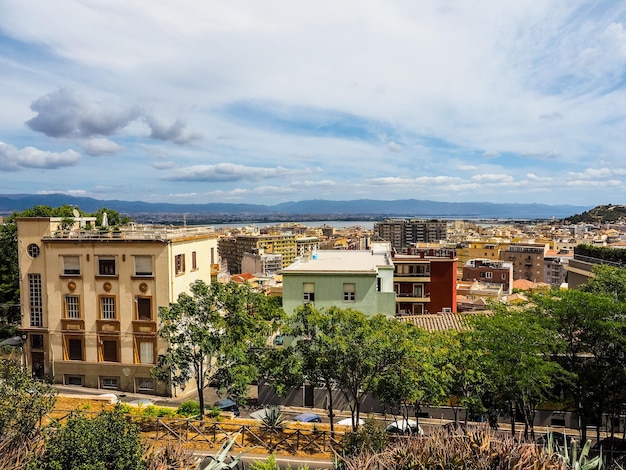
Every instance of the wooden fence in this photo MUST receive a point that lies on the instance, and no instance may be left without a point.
(304, 438)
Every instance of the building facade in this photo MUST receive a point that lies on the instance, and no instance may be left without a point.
(425, 282)
(360, 280)
(232, 249)
(489, 271)
(402, 233)
(527, 260)
(90, 298)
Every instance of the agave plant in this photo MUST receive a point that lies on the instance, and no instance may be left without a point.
(273, 418)
(575, 461)
(218, 461)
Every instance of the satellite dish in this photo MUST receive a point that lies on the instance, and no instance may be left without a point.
(76, 213)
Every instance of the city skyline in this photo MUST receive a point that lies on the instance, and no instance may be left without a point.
(511, 102)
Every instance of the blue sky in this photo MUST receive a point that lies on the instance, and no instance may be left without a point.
(266, 102)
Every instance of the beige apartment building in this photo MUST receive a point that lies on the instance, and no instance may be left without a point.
(90, 298)
(232, 249)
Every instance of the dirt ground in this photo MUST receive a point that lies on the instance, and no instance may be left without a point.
(91, 404)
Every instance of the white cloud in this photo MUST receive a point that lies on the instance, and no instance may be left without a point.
(13, 159)
(101, 146)
(228, 172)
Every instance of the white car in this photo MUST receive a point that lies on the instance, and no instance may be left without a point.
(348, 422)
(405, 426)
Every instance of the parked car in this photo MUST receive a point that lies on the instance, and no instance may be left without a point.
(226, 404)
(308, 418)
(262, 413)
(405, 426)
(348, 422)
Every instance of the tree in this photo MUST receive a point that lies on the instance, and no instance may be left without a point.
(607, 280)
(25, 400)
(516, 357)
(109, 440)
(421, 371)
(215, 336)
(114, 218)
(342, 351)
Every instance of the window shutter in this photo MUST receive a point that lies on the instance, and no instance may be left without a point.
(143, 265)
(146, 352)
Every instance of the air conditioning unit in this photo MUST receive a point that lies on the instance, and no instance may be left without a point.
(446, 310)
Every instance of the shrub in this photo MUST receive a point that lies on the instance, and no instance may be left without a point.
(109, 440)
(369, 437)
(152, 411)
(477, 448)
(189, 408)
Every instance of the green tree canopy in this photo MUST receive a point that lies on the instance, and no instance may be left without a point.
(108, 441)
(516, 349)
(215, 335)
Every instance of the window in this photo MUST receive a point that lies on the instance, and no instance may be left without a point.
(308, 289)
(33, 250)
(379, 284)
(36, 341)
(504, 277)
(74, 380)
(71, 265)
(72, 306)
(109, 382)
(348, 292)
(36, 299)
(143, 265)
(107, 307)
(74, 349)
(489, 275)
(179, 262)
(106, 266)
(144, 308)
(144, 385)
(194, 261)
(109, 350)
(146, 351)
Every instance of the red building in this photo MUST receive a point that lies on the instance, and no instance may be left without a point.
(425, 281)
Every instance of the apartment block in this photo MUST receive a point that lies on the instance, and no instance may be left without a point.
(527, 260)
(231, 249)
(90, 298)
(425, 281)
(489, 271)
(360, 280)
(403, 233)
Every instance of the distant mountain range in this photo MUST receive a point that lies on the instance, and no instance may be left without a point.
(301, 210)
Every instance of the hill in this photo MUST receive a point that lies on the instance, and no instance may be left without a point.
(300, 210)
(607, 214)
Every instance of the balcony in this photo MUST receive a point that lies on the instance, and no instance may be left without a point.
(413, 297)
(143, 326)
(106, 326)
(72, 324)
(412, 278)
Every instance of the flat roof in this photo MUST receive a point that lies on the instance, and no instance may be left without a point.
(341, 261)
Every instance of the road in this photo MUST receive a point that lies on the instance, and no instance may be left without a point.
(283, 461)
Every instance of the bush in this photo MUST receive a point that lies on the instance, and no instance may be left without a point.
(189, 408)
(109, 440)
(370, 437)
(152, 411)
(477, 448)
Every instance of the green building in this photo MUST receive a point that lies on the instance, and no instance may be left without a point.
(357, 279)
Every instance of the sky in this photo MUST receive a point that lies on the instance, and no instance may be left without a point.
(505, 101)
